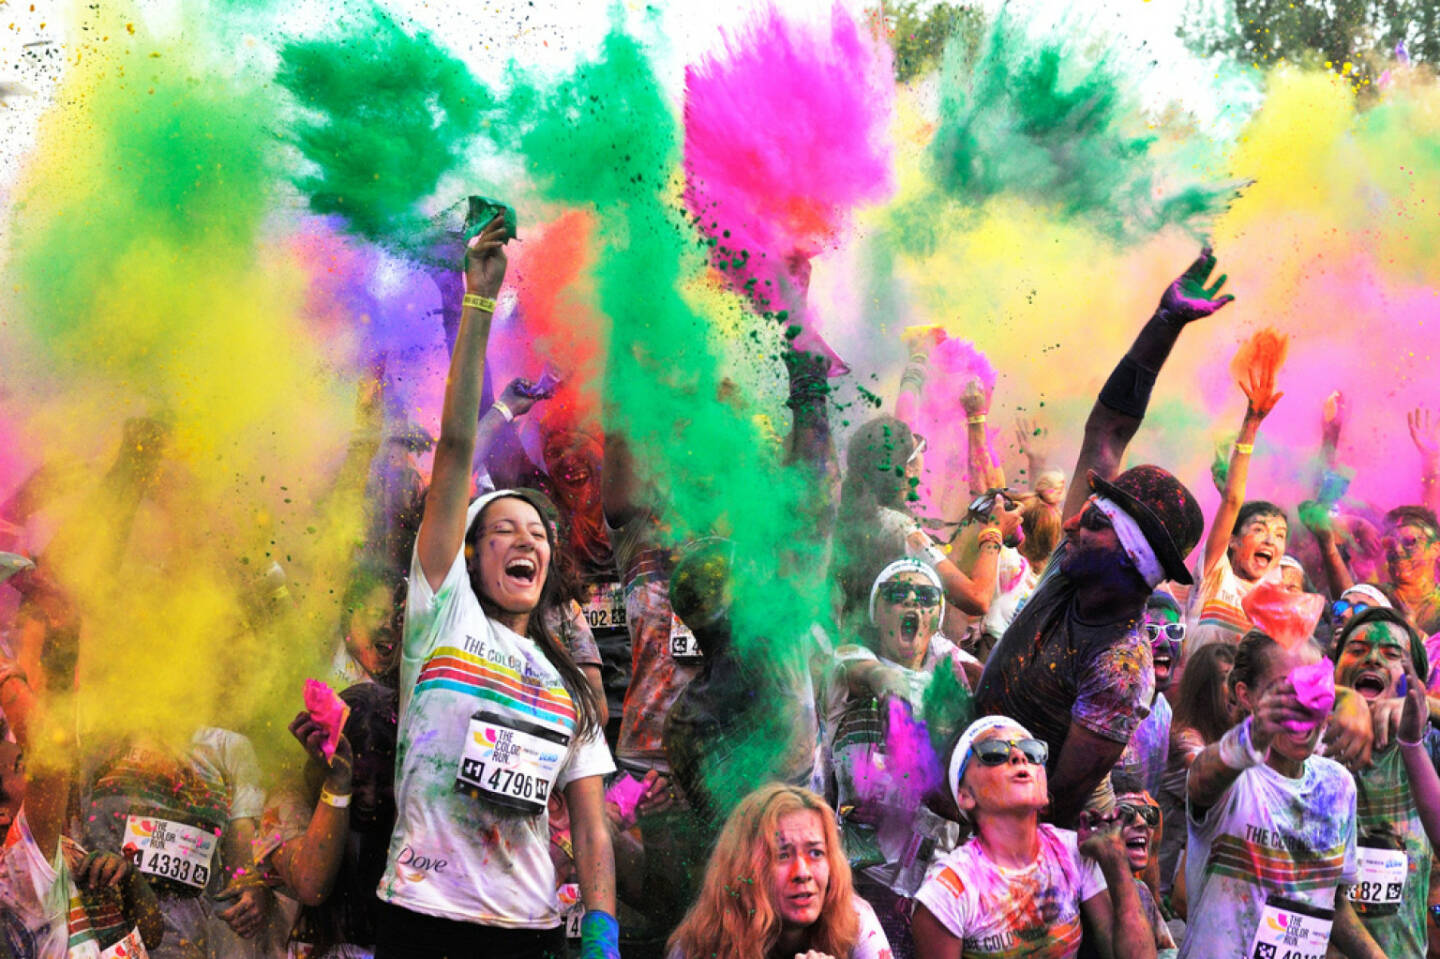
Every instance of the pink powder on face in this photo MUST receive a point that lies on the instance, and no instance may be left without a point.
(1315, 686)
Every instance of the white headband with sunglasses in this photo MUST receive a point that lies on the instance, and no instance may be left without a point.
(905, 566)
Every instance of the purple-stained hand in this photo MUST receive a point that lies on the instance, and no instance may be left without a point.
(1189, 298)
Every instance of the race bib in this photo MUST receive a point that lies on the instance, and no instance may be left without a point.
(131, 947)
(605, 607)
(1291, 930)
(684, 648)
(1382, 878)
(510, 762)
(572, 907)
(170, 850)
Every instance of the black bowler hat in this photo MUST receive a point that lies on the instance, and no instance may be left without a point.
(1163, 508)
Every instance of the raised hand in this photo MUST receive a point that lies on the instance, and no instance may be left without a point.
(1099, 836)
(1424, 432)
(485, 259)
(517, 396)
(1031, 439)
(973, 399)
(1260, 391)
(1189, 298)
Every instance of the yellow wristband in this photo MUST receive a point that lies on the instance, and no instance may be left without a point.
(474, 301)
(973, 420)
(991, 534)
(330, 799)
(1246, 448)
(504, 410)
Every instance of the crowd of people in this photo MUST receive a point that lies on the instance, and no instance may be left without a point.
(1034, 725)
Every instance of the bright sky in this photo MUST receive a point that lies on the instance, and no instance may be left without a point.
(486, 33)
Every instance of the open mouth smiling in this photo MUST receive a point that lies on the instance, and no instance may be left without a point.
(522, 568)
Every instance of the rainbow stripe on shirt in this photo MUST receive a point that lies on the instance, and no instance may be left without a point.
(458, 671)
(1284, 871)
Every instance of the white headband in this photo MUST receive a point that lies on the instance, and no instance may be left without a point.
(1133, 540)
(905, 566)
(1370, 592)
(960, 756)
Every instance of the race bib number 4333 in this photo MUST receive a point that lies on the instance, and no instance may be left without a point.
(170, 850)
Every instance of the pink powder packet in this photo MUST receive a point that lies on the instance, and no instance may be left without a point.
(1315, 688)
(329, 710)
(626, 793)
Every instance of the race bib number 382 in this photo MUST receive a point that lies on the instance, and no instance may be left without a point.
(170, 850)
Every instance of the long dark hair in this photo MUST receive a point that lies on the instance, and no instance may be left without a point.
(1202, 700)
(587, 709)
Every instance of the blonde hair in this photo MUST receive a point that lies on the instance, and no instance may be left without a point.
(735, 915)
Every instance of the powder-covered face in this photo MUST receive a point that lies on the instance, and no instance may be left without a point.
(1016, 785)
(1257, 549)
(1410, 553)
(1095, 554)
(905, 626)
(371, 639)
(1139, 837)
(1163, 651)
(1372, 661)
(514, 554)
(1292, 579)
(573, 461)
(12, 782)
(802, 869)
(1295, 745)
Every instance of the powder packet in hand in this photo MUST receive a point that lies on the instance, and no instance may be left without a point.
(329, 710)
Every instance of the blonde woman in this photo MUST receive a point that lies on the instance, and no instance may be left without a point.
(778, 886)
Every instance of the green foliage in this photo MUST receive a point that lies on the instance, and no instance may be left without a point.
(1336, 32)
(919, 37)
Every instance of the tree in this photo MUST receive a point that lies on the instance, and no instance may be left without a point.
(1337, 32)
(918, 33)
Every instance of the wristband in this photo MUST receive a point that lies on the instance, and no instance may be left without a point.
(504, 410)
(1236, 748)
(599, 935)
(330, 799)
(991, 534)
(1246, 448)
(1418, 742)
(476, 302)
(976, 419)
(1128, 389)
(932, 555)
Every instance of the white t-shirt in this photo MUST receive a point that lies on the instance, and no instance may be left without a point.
(1269, 835)
(999, 913)
(1214, 611)
(452, 855)
(1015, 580)
(34, 895)
(872, 943)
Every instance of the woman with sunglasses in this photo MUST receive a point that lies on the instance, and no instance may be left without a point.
(872, 682)
(1139, 817)
(1019, 883)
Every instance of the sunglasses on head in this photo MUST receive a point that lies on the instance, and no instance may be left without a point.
(898, 591)
(1150, 814)
(1174, 632)
(1343, 606)
(996, 752)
